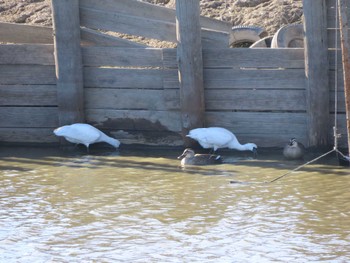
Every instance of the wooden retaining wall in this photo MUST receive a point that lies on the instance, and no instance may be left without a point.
(132, 91)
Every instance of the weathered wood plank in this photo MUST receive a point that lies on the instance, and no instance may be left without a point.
(244, 58)
(94, 37)
(149, 11)
(244, 79)
(340, 80)
(333, 59)
(344, 22)
(28, 95)
(340, 103)
(256, 100)
(139, 120)
(316, 68)
(131, 99)
(19, 33)
(28, 117)
(145, 27)
(27, 75)
(26, 54)
(123, 57)
(254, 79)
(123, 78)
(68, 60)
(266, 129)
(27, 135)
(96, 19)
(29, 34)
(190, 62)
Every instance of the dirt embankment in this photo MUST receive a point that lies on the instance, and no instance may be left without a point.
(270, 14)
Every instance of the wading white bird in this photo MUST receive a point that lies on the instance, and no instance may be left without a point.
(85, 134)
(188, 157)
(294, 150)
(217, 137)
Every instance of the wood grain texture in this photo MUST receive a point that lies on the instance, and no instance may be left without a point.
(27, 75)
(68, 60)
(149, 11)
(28, 117)
(28, 95)
(27, 135)
(19, 33)
(190, 66)
(123, 78)
(37, 54)
(316, 68)
(122, 57)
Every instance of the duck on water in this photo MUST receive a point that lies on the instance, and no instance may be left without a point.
(188, 157)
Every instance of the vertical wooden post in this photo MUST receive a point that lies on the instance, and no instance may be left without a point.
(68, 59)
(344, 9)
(317, 70)
(190, 62)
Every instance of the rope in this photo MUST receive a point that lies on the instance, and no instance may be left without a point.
(335, 128)
(287, 173)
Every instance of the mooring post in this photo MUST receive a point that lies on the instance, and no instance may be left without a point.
(190, 64)
(344, 20)
(316, 70)
(68, 60)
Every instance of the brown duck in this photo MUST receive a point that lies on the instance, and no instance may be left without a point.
(294, 150)
(188, 157)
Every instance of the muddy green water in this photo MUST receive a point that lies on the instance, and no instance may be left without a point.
(139, 206)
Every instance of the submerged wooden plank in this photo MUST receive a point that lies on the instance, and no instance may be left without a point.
(123, 78)
(122, 57)
(28, 95)
(19, 33)
(27, 75)
(27, 135)
(29, 117)
(38, 54)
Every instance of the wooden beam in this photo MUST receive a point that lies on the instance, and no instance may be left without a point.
(150, 11)
(69, 70)
(189, 56)
(316, 69)
(19, 33)
(345, 46)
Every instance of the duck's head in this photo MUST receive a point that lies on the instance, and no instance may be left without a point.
(293, 142)
(187, 153)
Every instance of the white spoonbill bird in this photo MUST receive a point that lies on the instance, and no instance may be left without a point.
(85, 134)
(217, 137)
